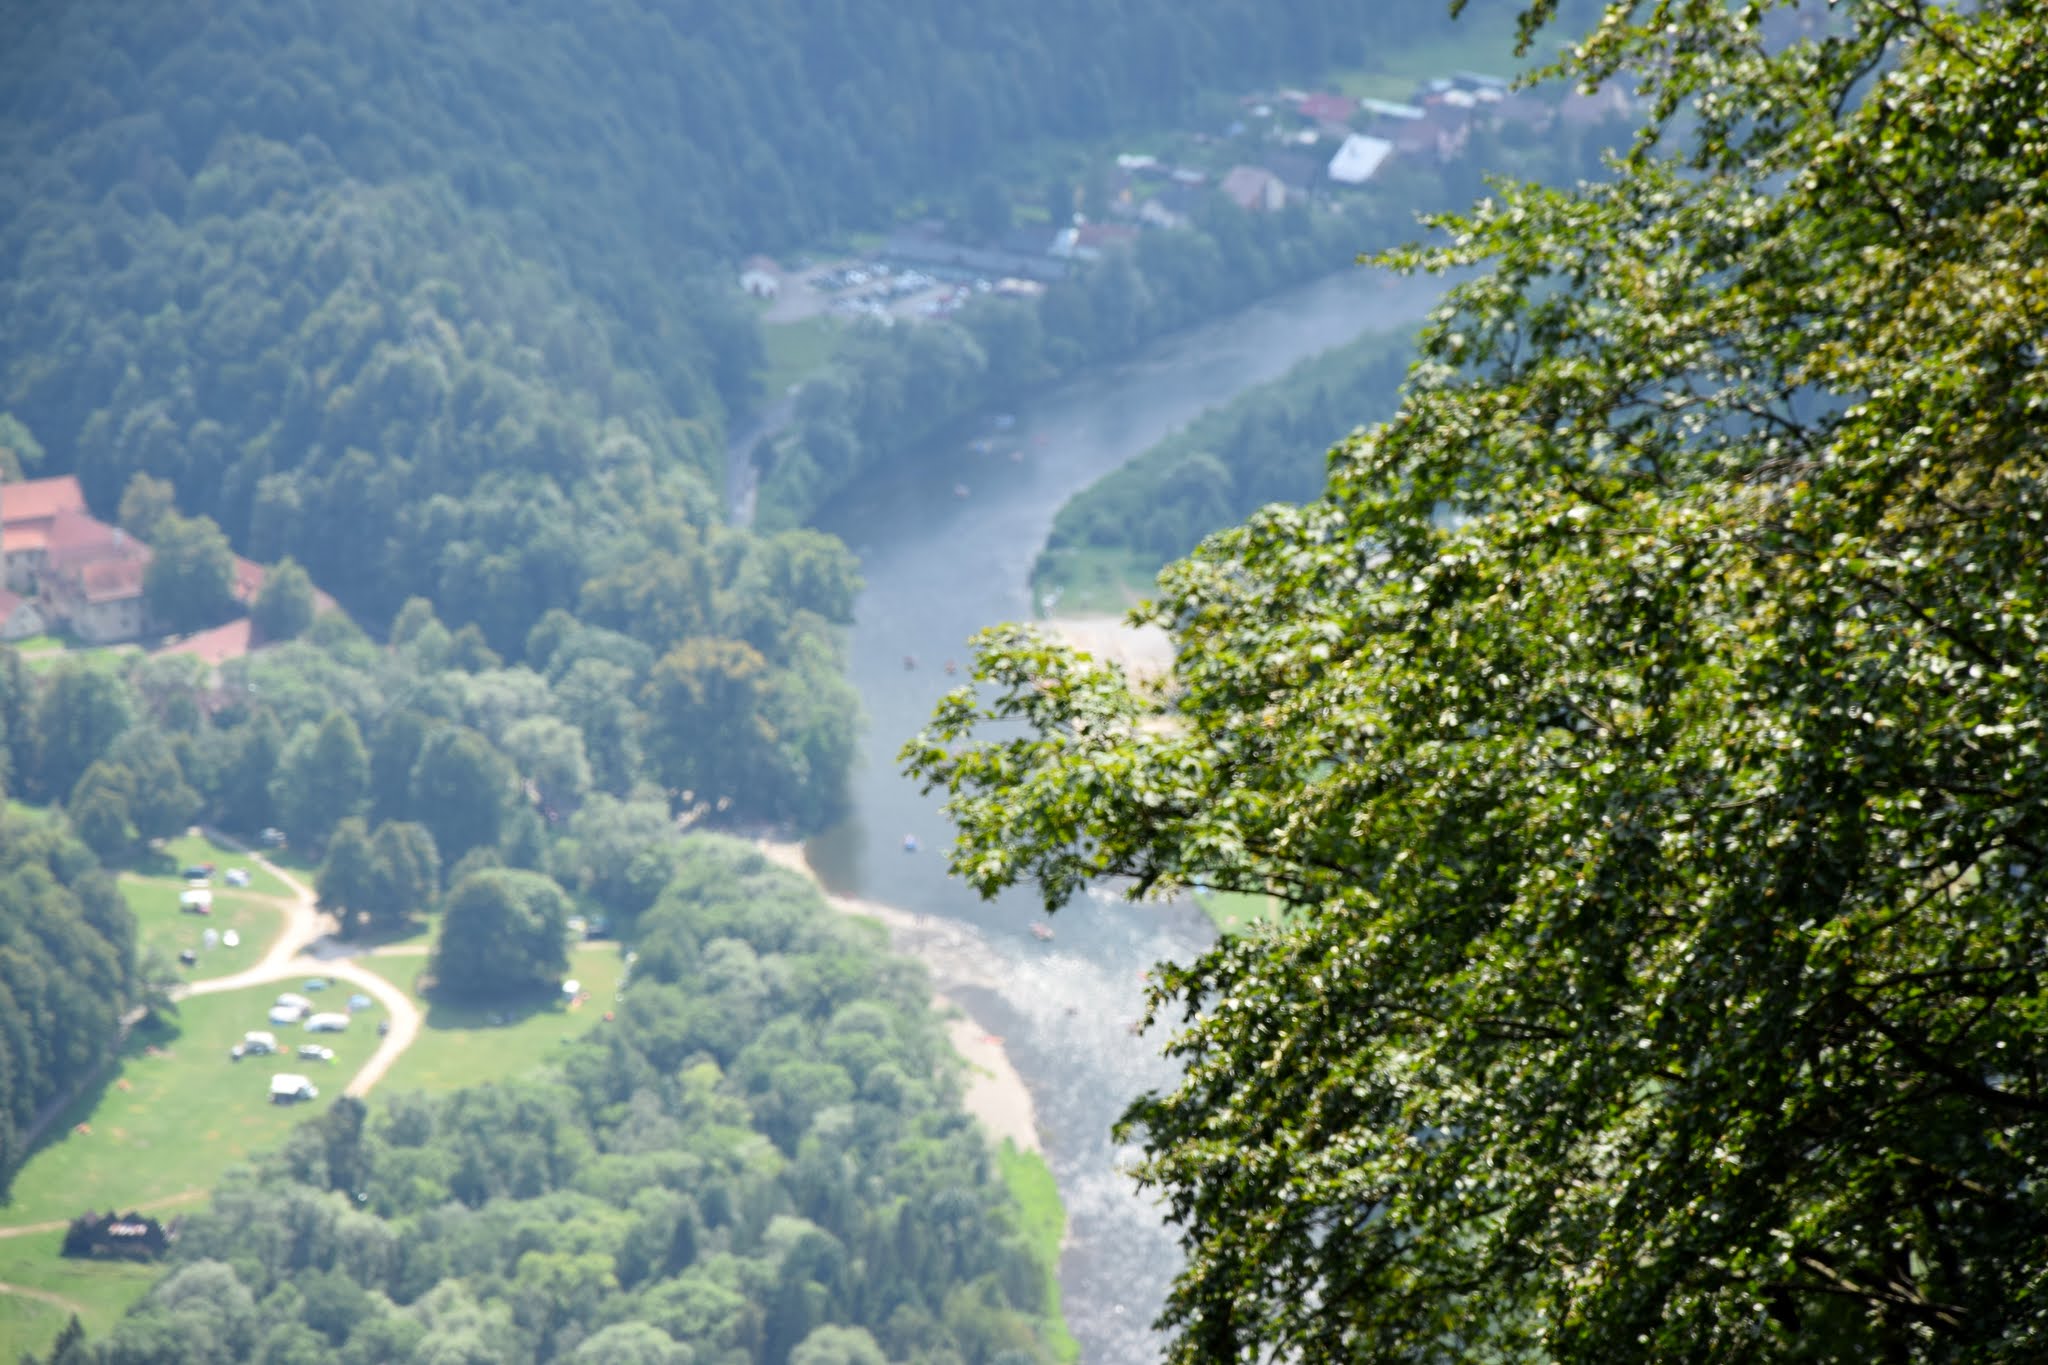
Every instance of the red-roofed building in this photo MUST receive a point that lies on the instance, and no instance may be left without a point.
(27, 510)
(91, 579)
(248, 580)
(1328, 110)
(1255, 189)
(215, 647)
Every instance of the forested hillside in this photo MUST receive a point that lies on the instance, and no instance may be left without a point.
(436, 296)
(67, 973)
(437, 299)
(762, 1161)
(1270, 445)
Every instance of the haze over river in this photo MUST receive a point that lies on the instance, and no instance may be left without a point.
(938, 568)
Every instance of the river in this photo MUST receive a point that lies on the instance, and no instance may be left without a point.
(938, 567)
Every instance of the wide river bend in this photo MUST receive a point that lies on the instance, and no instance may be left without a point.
(940, 566)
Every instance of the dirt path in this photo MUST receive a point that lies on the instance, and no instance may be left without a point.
(288, 957)
(170, 1201)
(71, 1306)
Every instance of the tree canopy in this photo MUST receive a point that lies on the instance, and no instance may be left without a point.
(67, 971)
(760, 1160)
(1642, 736)
(504, 934)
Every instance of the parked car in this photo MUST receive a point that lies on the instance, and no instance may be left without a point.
(317, 983)
(272, 837)
(236, 876)
(189, 956)
(313, 1052)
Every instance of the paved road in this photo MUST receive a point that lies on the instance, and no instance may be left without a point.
(290, 957)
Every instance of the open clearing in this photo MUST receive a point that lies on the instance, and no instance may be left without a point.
(461, 1045)
(175, 1111)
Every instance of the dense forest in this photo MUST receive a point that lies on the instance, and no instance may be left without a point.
(438, 299)
(761, 1162)
(67, 973)
(1268, 445)
(436, 296)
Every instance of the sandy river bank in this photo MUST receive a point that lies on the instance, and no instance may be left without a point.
(995, 1095)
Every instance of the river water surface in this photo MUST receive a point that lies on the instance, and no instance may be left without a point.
(938, 567)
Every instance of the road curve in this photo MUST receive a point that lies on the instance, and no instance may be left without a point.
(290, 956)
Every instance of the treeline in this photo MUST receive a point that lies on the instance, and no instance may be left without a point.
(761, 1161)
(67, 973)
(1269, 445)
(438, 297)
(892, 390)
(432, 751)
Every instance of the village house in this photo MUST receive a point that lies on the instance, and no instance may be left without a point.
(1441, 131)
(1359, 159)
(1331, 114)
(1299, 171)
(1172, 208)
(1254, 189)
(26, 512)
(91, 580)
(1088, 241)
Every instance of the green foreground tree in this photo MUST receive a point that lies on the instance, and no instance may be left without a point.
(1643, 736)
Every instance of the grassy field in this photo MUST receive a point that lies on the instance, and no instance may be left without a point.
(796, 351)
(462, 1046)
(162, 926)
(152, 894)
(1031, 1184)
(44, 652)
(192, 849)
(98, 1291)
(176, 1111)
(158, 1131)
(22, 810)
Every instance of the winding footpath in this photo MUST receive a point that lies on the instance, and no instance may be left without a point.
(291, 955)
